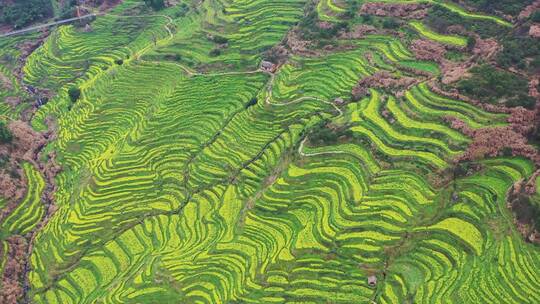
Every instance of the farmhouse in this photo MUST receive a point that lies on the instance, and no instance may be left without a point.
(339, 101)
(372, 280)
(268, 66)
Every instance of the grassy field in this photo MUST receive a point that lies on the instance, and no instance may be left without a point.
(189, 176)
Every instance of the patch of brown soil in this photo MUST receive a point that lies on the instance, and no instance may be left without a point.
(382, 79)
(5, 82)
(534, 30)
(26, 142)
(485, 48)
(13, 101)
(5, 28)
(297, 45)
(424, 49)
(359, 31)
(492, 141)
(400, 10)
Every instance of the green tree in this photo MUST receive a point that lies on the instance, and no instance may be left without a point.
(23, 12)
(155, 4)
(493, 85)
(74, 94)
(5, 134)
(390, 23)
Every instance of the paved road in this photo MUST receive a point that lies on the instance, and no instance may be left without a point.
(37, 27)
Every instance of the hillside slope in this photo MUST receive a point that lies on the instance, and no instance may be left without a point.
(283, 151)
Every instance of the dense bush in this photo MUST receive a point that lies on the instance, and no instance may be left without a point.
(215, 52)
(155, 4)
(74, 94)
(535, 17)
(489, 84)
(23, 12)
(253, 101)
(68, 10)
(324, 134)
(5, 134)
(527, 210)
(510, 7)
(219, 39)
(520, 52)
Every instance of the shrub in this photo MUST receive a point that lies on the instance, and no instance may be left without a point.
(253, 101)
(492, 85)
(521, 99)
(219, 39)
(471, 42)
(324, 134)
(517, 52)
(74, 94)
(535, 17)
(5, 134)
(215, 52)
(390, 23)
(155, 4)
(22, 13)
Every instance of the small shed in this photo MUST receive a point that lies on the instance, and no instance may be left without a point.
(372, 280)
(268, 66)
(339, 101)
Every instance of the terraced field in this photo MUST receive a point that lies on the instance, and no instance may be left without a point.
(446, 39)
(27, 215)
(190, 177)
(10, 89)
